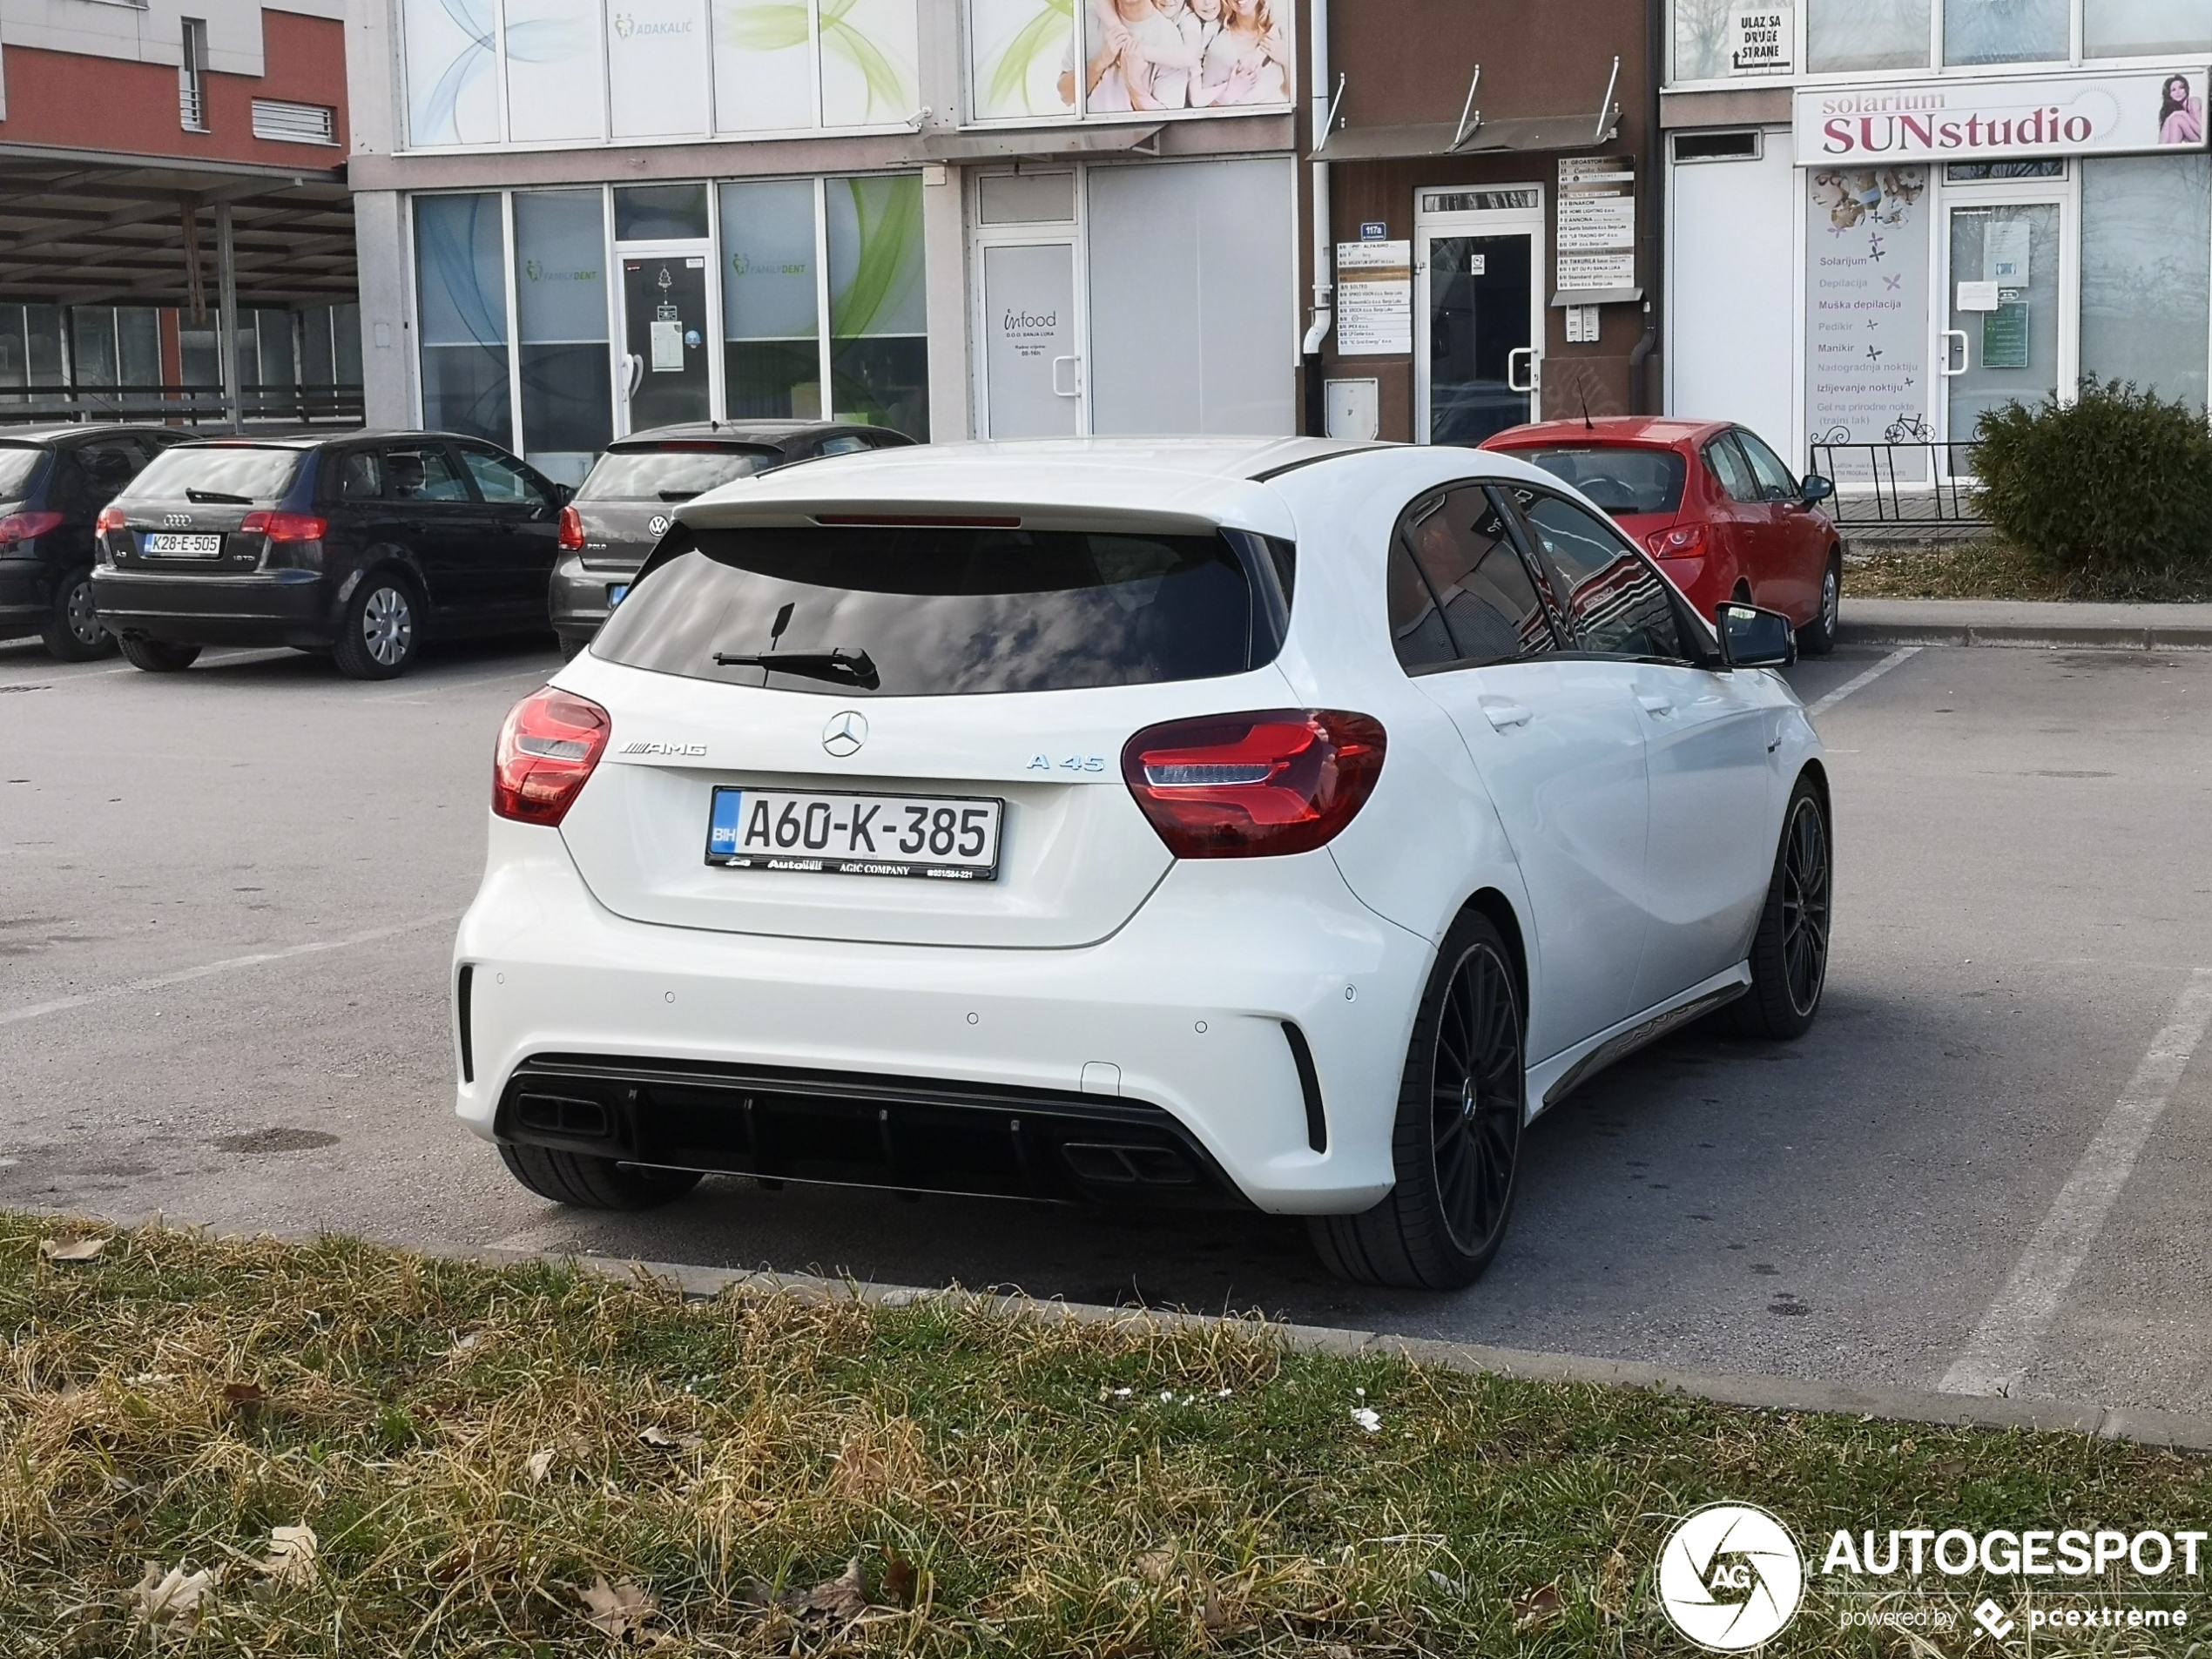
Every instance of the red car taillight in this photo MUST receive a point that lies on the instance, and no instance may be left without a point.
(1683, 542)
(110, 518)
(547, 749)
(571, 538)
(22, 527)
(1253, 785)
(285, 527)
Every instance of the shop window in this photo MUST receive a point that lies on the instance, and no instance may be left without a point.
(1977, 172)
(1702, 39)
(91, 345)
(460, 305)
(879, 330)
(658, 69)
(2143, 28)
(557, 89)
(771, 332)
(1026, 197)
(777, 62)
(661, 213)
(1848, 36)
(561, 317)
(2147, 273)
(452, 97)
(2005, 31)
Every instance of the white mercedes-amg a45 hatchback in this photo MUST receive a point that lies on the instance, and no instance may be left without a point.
(1266, 823)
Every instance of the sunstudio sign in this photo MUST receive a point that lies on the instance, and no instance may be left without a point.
(1979, 120)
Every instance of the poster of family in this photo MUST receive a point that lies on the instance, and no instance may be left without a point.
(1045, 57)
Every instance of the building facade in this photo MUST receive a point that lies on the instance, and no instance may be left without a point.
(993, 218)
(1887, 217)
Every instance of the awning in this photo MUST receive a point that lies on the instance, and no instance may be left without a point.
(1035, 143)
(1434, 138)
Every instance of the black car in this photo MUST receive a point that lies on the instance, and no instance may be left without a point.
(362, 544)
(628, 499)
(53, 483)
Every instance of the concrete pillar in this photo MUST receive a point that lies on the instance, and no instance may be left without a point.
(389, 367)
(944, 251)
(226, 279)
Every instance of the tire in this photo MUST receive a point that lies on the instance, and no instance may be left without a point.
(572, 645)
(1817, 637)
(382, 629)
(158, 656)
(586, 1182)
(73, 633)
(1789, 951)
(1456, 1145)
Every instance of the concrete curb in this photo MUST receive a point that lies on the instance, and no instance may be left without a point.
(2046, 635)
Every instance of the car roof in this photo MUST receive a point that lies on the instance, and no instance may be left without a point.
(39, 435)
(772, 433)
(1609, 428)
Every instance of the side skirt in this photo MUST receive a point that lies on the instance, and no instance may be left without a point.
(1559, 1076)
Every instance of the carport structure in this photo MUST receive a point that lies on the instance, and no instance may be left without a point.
(202, 240)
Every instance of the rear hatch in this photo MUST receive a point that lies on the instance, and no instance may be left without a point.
(185, 511)
(934, 683)
(1640, 485)
(631, 497)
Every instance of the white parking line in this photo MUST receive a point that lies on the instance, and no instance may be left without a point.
(2005, 1343)
(1861, 682)
(132, 988)
(69, 676)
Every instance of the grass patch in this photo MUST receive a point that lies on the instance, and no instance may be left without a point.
(1992, 568)
(521, 1461)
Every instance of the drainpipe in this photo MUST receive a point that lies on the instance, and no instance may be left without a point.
(1643, 399)
(1320, 318)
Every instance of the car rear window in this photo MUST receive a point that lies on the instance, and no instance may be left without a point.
(1619, 478)
(669, 474)
(242, 472)
(18, 467)
(956, 611)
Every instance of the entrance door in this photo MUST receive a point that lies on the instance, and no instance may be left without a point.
(1479, 316)
(665, 338)
(2003, 339)
(1032, 365)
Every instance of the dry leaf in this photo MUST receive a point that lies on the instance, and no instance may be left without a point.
(899, 1578)
(1540, 1606)
(538, 1465)
(78, 1250)
(291, 1560)
(844, 1597)
(661, 1440)
(1214, 1616)
(1155, 1566)
(620, 1609)
(244, 1394)
(174, 1600)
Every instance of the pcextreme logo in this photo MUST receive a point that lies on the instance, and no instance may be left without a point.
(1730, 1577)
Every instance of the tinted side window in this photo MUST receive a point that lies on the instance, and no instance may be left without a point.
(1729, 467)
(109, 463)
(1775, 482)
(1466, 569)
(1618, 603)
(423, 473)
(500, 481)
(844, 444)
(360, 477)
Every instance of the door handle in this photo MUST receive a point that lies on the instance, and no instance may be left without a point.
(1958, 334)
(1072, 389)
(1654, 704)
(1526, 355)
(636, 365)
(1502, 713)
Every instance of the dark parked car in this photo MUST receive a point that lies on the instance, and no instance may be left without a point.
(53, 483)
(627, 502)
(361, 545)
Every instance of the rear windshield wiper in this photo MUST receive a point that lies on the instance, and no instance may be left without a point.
(846, 667)
(220, 497)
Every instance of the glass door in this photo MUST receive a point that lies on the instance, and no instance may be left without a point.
(2008, 292)
(665, 335)
(1032, 363)
(1479, 316)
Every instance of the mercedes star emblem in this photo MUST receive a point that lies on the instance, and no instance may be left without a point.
(845, 733)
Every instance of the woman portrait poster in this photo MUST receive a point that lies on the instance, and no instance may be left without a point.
(1181, 54)
(2180, 116)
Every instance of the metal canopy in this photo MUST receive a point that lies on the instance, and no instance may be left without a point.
(81, 228)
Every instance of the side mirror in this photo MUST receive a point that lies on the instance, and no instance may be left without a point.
(1752, 636)
(1818, 488)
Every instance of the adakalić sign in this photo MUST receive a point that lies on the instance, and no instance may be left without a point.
(1964, 120)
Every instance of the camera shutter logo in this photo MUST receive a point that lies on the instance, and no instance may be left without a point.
(1730, 1577)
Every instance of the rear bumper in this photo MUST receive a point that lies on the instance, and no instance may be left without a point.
(26, 589)
(579, 596)
(1172, 1030)
(254, 608)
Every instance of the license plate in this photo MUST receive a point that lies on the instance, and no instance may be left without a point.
(617, 593)
(839, 834)
(189, 547)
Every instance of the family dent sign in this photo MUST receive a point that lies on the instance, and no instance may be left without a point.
(1990, 120)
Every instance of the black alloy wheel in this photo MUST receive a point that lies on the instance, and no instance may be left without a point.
(1456, 1146)
(1817, 637)
(158, 656)
(1789, 951)
(72, 632)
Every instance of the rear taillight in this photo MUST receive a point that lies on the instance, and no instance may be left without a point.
(571, 530)
(1253, 785)
(22, 527)
(110, 518)
(1683, 542)
(285, 527)
(547, 749)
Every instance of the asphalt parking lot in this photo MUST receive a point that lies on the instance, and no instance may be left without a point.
(226, 899)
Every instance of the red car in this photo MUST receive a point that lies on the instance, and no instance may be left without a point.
(1712, 503)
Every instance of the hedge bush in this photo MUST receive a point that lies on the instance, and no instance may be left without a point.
(2113, 491)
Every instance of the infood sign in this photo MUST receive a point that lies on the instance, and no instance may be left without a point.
(1996, 120)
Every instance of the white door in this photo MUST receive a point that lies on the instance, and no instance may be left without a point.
(2010, 292)
(1032, 362)
(668, 340)
(1477, 312)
